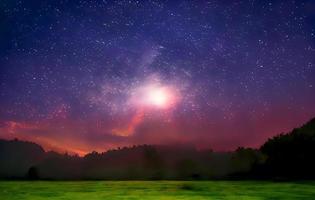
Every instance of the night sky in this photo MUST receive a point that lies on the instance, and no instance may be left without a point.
(79, 76)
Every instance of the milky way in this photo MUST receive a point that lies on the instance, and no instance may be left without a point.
(79, 76)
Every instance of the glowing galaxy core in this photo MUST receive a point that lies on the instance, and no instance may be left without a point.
(153, 94)
(145, 99)
(159, 96)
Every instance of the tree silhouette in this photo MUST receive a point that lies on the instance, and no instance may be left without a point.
(33, 173)
(292, 155)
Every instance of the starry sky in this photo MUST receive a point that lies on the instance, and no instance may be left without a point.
(79, 76)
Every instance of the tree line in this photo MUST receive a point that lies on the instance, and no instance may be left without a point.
(283, 157)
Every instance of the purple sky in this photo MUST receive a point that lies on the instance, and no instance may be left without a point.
(93, 75)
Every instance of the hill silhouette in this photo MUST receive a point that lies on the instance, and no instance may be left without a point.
(17, 156)
(285, 156)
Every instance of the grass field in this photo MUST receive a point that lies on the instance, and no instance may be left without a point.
(90, 190)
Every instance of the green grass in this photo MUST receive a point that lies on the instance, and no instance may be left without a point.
(190, 190)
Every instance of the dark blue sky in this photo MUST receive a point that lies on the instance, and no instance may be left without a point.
(241, 71)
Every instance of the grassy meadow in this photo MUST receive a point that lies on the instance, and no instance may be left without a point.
(167, 190)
